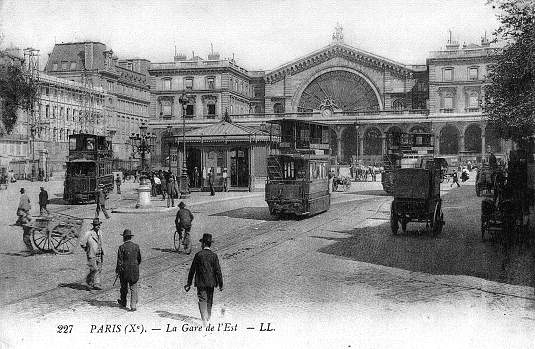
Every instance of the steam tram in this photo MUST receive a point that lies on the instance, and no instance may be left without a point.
(298, 169)
(89, 164)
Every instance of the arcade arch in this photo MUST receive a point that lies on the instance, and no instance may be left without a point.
(449, 140)
(472, 139)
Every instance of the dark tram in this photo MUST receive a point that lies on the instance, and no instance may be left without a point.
(89, 164)
(404, 150)
(298, 169)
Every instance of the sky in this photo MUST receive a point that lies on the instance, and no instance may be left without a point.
(261, 34)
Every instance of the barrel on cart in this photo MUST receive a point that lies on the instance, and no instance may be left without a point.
(56, 232)
(417, 198)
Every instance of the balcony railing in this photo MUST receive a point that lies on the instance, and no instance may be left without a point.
(472, 110)
(336, 114)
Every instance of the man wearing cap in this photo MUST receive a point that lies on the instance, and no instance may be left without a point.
(101, 202)
(91, 242)
(183, 219)
(205, 267)
(43, 201)
(128, 261)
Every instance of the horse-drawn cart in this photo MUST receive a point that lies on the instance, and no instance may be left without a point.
(56, 232)
(417, 198)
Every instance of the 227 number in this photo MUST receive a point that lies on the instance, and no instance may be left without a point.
(64, 329)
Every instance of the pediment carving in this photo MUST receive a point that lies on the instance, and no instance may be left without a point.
(338, 50)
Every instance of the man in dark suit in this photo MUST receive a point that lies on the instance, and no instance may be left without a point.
(205, 267)
(128, 261)
(43, 201)
(211, 181)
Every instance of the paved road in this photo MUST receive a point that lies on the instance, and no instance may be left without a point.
(294, 274)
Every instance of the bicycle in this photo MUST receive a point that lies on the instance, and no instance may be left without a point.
(185, 241)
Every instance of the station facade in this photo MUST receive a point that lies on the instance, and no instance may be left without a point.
(360, 95)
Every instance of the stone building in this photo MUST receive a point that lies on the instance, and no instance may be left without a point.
(362, 96)
(125, 81)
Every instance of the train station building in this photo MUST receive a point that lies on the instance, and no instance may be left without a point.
(361, 95)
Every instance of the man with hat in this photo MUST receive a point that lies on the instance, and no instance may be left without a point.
(24, 207)
(205, 267)
(183, 219)
(43, 201)
(91, 242)
(100, 198)
(128, 261)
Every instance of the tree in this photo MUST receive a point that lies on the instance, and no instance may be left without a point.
(510, 95)
(16, 93)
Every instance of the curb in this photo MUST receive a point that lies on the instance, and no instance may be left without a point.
(156, 209)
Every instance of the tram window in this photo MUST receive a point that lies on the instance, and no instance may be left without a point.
(90, 143)
(289, 170)
(72, 143)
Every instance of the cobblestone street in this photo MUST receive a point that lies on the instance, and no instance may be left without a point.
(338, 279)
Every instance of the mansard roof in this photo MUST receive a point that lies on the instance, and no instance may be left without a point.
(338, 50)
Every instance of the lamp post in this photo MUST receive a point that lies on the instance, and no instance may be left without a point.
(142, 143)
(170, 136)
(184, 180)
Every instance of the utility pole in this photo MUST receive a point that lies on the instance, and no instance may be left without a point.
(31, 62)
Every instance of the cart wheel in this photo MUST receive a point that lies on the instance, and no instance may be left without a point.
(176, 241)
(187, 243)
(438, 219)
(63, 239)
(41, 239)
(347, 185)
(393, 220)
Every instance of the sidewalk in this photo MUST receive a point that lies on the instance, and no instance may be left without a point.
(195, 198)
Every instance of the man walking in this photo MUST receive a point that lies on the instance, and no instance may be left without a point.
(211, 180)
(205, 267)
(101, 202)
(118, 183)
(183, 219)
(172, 191)
(91, 242)
(43, 201)
(23, 210)
(128, 261)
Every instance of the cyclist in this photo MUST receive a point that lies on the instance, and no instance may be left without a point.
(183, 219)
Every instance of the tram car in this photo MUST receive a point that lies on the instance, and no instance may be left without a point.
(89, 164)
(298, 169)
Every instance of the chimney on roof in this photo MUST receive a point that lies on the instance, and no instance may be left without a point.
(484, 41)
(213, 56)
(180, 57)
(452, 45)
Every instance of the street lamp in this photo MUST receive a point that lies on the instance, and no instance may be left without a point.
(184, 180)
(142, 143)
(169, 135)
